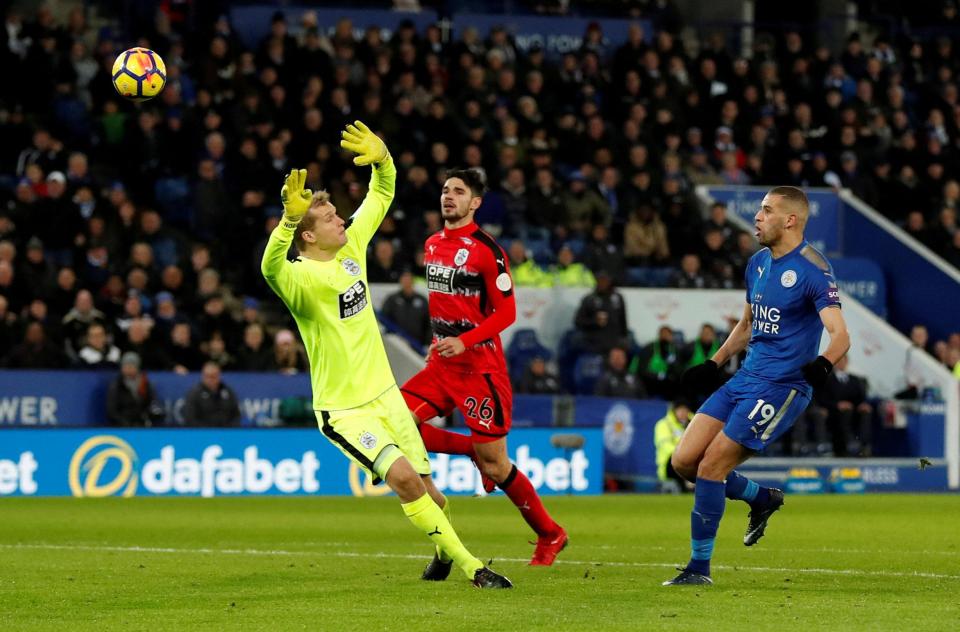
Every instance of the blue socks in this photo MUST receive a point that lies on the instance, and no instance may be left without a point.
(708, 505)
(742, 488)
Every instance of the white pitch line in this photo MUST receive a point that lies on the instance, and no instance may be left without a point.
(407, 556)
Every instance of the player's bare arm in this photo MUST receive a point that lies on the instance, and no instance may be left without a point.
(836, 326)
(738, 338)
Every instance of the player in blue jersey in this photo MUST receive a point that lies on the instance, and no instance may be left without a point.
(791, 297)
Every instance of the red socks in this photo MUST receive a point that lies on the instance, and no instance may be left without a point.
(439, 440)
(517, 486)
(518, 489)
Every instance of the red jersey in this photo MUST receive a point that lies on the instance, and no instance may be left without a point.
(471, 296)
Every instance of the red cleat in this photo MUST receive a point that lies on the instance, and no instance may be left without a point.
(548, 547)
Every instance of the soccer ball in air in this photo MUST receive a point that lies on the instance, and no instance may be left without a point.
(139, 74)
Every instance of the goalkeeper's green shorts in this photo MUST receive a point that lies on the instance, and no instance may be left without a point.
(376, 434)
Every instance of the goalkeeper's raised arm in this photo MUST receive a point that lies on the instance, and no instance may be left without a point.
(370, 150)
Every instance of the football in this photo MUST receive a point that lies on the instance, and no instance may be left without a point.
(139, 74)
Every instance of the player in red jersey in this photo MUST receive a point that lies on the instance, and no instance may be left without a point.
(471, 302)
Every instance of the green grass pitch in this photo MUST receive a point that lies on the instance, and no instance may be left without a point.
(876, 562)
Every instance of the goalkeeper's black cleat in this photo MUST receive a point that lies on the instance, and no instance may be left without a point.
(760, 515)
(436, 571)
(689, 578)
(486, 578)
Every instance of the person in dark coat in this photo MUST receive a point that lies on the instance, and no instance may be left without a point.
(211, 402)
(131, 398)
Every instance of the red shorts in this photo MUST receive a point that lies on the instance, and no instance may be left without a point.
(485, 399)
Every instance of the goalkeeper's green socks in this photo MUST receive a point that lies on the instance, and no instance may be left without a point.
(446, 512)
(430, 519)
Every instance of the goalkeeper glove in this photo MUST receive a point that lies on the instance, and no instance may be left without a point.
(370, 149)
(296, 200)
(700, 378)
(816, 372)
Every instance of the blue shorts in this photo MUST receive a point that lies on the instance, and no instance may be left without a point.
(756, 413)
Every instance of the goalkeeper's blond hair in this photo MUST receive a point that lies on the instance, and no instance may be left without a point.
(320, 198)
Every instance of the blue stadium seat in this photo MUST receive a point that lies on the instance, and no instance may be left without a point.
(586, 372)
(174, 201)
(540, 251)
(524, 346)
(568, 350)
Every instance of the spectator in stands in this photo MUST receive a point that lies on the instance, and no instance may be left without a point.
(659, 364)
(523, 269)
(383, 266)
(131, 398)
(616, 381)
(538, 379)
(183, 351)
(78, 320)
(140, 341)
(98, 352)
(601, 319)
(211, 402)
(912, 371)
(215, 350)
(288, 357)
(645, 238)
(689, 275)
(11, 288)
(703, 347)
(254, 354)
(601, 254)
(584, 206)
(35, 352)
(666, 436)
(9, 328)
(570, 273)
(843, 402)
(407, 309)
(36, 271)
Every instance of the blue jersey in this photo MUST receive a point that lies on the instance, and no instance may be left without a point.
(785, 297)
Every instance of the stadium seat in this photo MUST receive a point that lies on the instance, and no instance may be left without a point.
(586, 372)
(568, 350)
(524, 346)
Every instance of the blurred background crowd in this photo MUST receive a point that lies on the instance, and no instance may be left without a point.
(139, 229)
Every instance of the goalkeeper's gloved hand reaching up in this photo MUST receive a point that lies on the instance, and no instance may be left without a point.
(370, 149)
(296, 200)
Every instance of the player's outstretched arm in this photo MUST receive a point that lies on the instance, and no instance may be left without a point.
(816, 372)
(370, 150)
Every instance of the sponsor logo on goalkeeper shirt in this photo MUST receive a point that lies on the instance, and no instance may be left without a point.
(353, 300)
(440, 278)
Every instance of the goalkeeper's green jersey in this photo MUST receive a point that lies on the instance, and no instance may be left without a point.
(330, 300)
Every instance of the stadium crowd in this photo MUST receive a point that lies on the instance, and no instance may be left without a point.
(140, 228)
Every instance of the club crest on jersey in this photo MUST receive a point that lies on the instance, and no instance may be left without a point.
(461, 257)
(368, 440)
(788, 278)
(351, 266)
(440, 278)
(353, 300)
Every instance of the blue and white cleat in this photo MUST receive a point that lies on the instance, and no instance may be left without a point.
(759, 517)
(689, 578)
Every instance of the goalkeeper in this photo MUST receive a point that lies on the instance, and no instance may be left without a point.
(355, 396)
